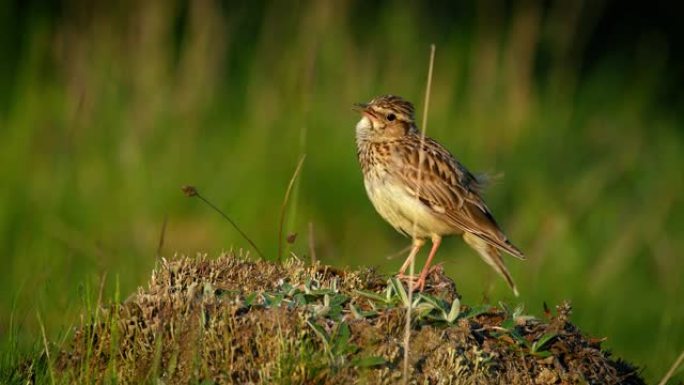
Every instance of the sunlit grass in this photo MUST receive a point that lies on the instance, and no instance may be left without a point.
(229, 319)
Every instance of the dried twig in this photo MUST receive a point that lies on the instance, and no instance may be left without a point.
(162, 235)
(191, 191)
(312, 244)
(674, 367)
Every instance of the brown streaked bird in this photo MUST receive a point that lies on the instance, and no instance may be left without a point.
(439, 199)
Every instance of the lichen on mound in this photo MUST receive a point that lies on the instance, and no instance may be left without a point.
(232, 320)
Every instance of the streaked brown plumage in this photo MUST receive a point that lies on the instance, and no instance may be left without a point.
(442, 198)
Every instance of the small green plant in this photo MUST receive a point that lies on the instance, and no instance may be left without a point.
(297, 323)
(423, 306)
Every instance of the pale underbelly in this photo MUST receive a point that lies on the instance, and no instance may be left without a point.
(404, 212)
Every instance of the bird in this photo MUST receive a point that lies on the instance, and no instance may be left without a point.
(422, 190)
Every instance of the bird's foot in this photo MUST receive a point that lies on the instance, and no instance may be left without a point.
(419, 284)
(416, 281)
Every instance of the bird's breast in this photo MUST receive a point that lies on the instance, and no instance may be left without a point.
(400, 209)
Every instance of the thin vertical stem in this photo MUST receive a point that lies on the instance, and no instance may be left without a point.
(47, 350)
(674, 367)
(283, 207)
(421, 157)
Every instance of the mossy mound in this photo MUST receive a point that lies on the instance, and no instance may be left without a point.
(231, 320)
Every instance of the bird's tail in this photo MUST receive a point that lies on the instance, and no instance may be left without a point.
(492, 256)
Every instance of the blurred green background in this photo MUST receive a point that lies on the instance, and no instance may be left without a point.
(107, 109)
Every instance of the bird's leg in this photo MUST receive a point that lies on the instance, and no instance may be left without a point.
(417, 244)
(420, 283)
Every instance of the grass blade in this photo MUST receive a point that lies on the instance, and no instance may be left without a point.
(283, 206)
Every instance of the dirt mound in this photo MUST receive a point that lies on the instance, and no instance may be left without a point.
(231, 320)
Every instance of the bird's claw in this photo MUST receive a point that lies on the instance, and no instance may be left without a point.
(417, 282)
(419, 285)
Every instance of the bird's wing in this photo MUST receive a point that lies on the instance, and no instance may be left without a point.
(450, 190)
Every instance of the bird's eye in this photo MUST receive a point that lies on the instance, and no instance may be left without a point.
(391, 117)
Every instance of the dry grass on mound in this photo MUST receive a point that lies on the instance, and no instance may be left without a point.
(231, 320)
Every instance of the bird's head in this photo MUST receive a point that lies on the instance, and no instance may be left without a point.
(385, 117)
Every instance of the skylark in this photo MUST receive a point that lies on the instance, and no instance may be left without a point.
(423, 191)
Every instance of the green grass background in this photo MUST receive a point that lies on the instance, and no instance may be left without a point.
(106, 110)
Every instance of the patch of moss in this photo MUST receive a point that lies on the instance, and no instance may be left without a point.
(232, 320)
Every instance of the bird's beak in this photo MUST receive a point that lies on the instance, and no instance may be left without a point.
(363, 108)
(360, 107)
